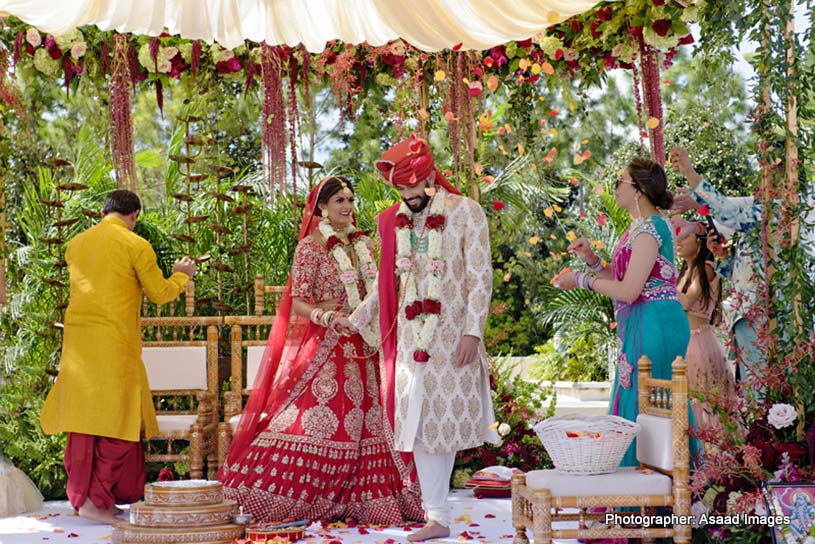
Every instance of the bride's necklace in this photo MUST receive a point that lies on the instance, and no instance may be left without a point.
(423, 315)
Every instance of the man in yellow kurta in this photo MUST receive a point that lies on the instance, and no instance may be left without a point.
(101, 397)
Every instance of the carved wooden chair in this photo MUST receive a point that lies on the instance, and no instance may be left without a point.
(661, 480)
(248, 336)
(180, 354)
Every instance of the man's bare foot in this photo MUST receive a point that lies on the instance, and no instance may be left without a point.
(91, 512)
(433, 529)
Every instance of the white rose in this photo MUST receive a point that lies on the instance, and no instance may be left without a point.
(781, 415)
(169, 52)
(165, 66)
(398, 48)
(503, 429)
(78, 50)
(32, 36)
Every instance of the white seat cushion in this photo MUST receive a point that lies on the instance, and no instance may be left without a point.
(233, 421)
(176, 367)
(655, 442)
(175, 423)
(625, 481)
(254, 355)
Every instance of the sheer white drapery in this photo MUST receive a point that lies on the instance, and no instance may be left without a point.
(430, 25)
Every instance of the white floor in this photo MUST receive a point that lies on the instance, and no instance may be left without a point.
(478, 520)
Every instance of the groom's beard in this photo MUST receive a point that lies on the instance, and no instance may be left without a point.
(417, 205)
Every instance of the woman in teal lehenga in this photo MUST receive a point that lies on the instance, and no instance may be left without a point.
(641, 279)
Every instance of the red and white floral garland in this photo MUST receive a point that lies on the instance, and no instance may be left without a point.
(423, 315)
(349, 275)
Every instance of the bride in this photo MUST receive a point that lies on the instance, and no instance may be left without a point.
(312, 442)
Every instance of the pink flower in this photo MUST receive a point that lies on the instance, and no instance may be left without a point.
(368, 270)
(32, 36)
(349, 277)
(404, 262)
(434, 266)
(78, 50)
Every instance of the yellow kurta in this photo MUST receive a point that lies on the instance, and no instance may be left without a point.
(102, 385)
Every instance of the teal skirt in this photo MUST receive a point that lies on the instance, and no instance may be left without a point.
(658, 329)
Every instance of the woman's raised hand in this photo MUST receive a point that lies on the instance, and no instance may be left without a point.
(583, 250)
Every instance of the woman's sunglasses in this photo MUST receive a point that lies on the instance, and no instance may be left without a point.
(621, 180)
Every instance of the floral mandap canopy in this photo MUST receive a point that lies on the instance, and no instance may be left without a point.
(430, 25)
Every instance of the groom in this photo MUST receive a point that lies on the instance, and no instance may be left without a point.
(433, 296)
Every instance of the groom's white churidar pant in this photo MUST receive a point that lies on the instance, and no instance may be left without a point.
(434, 471)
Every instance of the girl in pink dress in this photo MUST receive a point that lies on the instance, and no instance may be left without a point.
(701, 296)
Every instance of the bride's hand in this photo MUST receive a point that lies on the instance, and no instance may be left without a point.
(343, 326)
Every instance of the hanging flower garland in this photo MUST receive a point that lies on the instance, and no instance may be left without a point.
(422, 314)
(349, 275)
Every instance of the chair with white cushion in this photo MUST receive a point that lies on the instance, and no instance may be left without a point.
(249, 334)
(540, 496)
(180, 355)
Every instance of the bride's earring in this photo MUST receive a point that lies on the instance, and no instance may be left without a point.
(324, 214)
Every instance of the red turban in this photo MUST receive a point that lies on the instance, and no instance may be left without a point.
(410, 162)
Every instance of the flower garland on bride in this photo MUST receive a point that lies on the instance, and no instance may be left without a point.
(422, 314)
(349, 275)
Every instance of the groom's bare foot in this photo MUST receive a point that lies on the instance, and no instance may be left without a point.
(91, 512)
(433, 529)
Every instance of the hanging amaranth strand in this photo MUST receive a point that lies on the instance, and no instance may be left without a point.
(121, 121)
(649, 65)
(274, 121)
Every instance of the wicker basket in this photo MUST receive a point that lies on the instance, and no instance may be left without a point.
(586, 445)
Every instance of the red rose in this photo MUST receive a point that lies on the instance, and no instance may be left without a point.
(559, 54)
(354, 236)
(413, 310)
(332, 241)
(593, 29)
(165, 475)
(435, 222)
(662, 26)
(605, 13)
(497, 205)
(577, 26)
(421, 356)
(686, 40)
(403, 221)
(430, 306)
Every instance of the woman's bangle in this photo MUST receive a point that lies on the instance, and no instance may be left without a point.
(598, 264)
(327, 318)
(583, 280)
(316, 315)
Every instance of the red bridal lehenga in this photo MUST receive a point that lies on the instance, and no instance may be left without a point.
(312, 442)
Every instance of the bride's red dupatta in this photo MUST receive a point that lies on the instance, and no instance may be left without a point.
(289, 350)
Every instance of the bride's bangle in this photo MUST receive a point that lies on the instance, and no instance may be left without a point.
(316, 315)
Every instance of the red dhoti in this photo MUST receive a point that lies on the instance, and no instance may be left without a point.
(107, 471)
